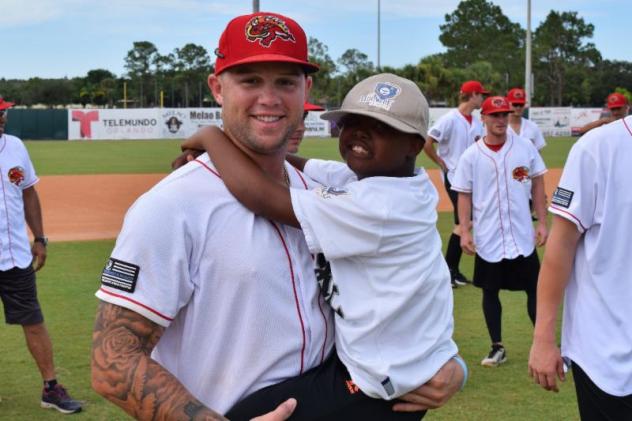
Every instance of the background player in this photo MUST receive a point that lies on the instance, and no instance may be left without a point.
(617, 104)
(489, 178)
(371, 259)
(455, 132)
(587, 261)
(18, 290)
(518, 124)
(297, 137)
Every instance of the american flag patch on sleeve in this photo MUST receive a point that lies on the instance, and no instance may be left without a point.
(120, 275)
(562, 197)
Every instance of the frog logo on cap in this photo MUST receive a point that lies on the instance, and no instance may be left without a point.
(266, 29)
(382, 96)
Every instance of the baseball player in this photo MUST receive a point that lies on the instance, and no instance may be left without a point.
(587, 261)
(455, 132)
(373, 229)
(617, 104)
(489, 179)
(203, 302)
(297, 137)
(19, 260)
(520, 125)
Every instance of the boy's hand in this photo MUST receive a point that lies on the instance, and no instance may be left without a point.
(282, 412)
(467, 242)
(541, 234)
(187, 155)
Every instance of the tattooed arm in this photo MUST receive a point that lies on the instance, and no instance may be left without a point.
(124, 373)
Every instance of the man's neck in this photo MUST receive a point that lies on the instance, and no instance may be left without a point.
(466, 108)
(492, 139)
(515, 119)
(272, 164)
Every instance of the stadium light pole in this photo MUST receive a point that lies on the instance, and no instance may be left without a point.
(255, 6)
(527, 71)
(378, 34)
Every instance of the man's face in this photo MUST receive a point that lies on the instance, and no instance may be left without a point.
(297, 136)
(3, 120)
(619, 112)
(262, 103)
(517, 109)
(477, 100)
(496, 124)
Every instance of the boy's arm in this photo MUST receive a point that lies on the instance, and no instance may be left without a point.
(539, 205)
(255, 189)
(429, 149)
(464, 209)
(297, 162)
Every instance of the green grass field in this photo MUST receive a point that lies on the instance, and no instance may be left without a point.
(68, 282)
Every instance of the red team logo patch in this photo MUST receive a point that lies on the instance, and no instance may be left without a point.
(16, 175)
(521, 174)
(266, 29)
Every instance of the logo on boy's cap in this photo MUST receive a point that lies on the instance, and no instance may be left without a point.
(266, 29)
(382, 96)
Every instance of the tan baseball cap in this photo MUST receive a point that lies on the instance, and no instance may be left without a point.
(388, 98)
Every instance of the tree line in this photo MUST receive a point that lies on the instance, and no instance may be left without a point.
(481, 43)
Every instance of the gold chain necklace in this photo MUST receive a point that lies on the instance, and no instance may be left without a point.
(286, 176)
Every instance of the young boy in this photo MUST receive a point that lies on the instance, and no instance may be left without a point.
(490, 178)
(372, 229)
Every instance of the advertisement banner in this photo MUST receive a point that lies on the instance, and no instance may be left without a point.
(553, 121)
(582, 116)
(158, 123)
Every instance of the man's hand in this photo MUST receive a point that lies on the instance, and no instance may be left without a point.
(541, 234)
(281, 413)
(442, 164)
(436, 392)
(187, 155)
(39, 255)
(467, 242)
(545, 364)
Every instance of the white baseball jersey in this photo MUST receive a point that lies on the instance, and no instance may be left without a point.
(380, 266)
(236, 293)
(594, 193)
(501, 216)
(17, 174)
(454, 135)
(531, 131)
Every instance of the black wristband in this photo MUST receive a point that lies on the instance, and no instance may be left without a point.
(43, 240)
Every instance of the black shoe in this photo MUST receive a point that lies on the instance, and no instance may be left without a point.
(461, 279)
(59, 399)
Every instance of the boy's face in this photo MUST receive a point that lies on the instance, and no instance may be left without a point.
(496, 123)
(372, 148)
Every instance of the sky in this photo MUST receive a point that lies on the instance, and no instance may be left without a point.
(67, 38)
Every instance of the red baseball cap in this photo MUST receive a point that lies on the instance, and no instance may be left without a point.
(494, 105)
(616, 100)
(308, 106)
(262, 37)
(473, 87)
(516, 96)
(4, 105)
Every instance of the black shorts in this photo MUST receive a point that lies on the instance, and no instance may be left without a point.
(453, 195)
(19, 297)
(595, 404)
(323, 393)
(519, 274)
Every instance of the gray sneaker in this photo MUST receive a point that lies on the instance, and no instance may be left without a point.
(496, 356)
(59, 399)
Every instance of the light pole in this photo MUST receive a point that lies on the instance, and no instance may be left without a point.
(527, 71)
(255, 6)
(378, 35)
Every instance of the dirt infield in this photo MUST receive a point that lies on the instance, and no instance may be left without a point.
(92, 207)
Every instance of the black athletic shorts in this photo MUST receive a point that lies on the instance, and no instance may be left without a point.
(519, 274)
(323, 393)
(595, 404)
(453, 195)
(19, 297)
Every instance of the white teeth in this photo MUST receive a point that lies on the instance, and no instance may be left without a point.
(359, 150)
(268, 118)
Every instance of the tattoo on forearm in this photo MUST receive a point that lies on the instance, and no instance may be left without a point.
(124, 373)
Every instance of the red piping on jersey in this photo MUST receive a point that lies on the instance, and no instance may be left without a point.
(508, 199)
(4, 142)
(298, 308)
(6, 211)
(626, 126)
(500, 215)
(301, 177)
(571, 215)
(137, 303)
(207, 167)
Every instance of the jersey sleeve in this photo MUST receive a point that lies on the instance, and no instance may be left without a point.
(464, 173)
(576, 195)
(148, 271)
(329, 173)
(30, 178)
(338, 222)
(440, 131)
